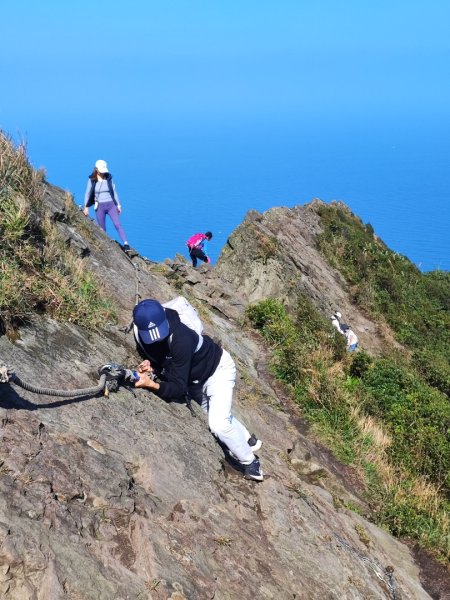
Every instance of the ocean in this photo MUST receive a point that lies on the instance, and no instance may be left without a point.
(176, 179)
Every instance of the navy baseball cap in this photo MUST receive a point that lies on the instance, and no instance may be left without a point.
(150, 318)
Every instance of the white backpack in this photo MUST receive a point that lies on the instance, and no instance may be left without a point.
(187, 313)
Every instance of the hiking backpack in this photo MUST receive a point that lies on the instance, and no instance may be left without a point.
(195, 240)
(187, 313)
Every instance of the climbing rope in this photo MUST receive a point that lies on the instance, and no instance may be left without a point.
(111, 375)
(136, 273)
(127, 328)
(9, 376)
(137, 280)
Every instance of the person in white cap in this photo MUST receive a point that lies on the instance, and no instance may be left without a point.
(336, 321)
(101, 192)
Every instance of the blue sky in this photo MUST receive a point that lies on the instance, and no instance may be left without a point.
(63, 60)
(149, 86)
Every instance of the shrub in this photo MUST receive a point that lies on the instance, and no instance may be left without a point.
(417, 416)
(388, 286)
(361, 362)
(434, 368)
(382, 418)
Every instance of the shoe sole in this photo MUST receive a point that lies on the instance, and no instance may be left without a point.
(254, 477)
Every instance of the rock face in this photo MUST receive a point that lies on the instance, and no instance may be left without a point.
(128, 497)
(275, 255)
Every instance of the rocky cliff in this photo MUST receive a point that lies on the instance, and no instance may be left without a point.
(128, 497)
(275, 254)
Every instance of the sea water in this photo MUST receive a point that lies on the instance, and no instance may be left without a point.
(179, 178)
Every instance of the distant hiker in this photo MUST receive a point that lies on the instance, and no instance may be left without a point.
(350, 336)
(101, 192)
(352, 339)
(188, 363)
(197, 247)
(336, 321)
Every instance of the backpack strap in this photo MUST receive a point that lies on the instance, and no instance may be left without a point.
(91, 199)
(111, 189)
(199, 343)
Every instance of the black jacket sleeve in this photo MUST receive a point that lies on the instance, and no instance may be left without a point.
(174, 384)
(176, 379)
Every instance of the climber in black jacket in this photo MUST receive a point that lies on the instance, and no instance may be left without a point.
(179, 361)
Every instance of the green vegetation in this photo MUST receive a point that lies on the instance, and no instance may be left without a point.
(38, 273)
(390, 288)
(377, 414)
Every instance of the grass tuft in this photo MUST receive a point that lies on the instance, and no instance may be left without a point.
(39, 274)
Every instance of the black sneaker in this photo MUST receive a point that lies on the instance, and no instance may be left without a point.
(253, 471)
(126, 248)
(254, 443)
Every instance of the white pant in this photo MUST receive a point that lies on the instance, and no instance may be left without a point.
(217, 399)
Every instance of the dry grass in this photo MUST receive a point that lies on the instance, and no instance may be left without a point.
(402, 494)
(16, 173)
(38, 272)
(409, 504)
(401, 491)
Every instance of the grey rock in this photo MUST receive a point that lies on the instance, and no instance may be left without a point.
(275, 255)
(128, 497)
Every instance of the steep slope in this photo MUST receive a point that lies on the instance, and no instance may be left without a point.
(275, 254)
(127, 497)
